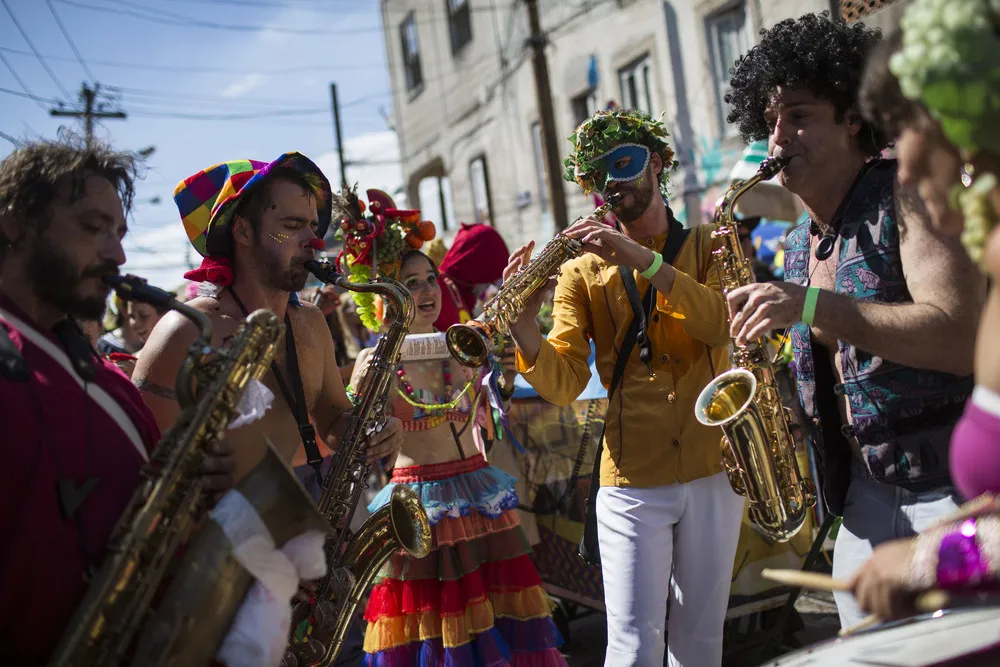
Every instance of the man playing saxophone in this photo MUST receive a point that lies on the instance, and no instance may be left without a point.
(256, 224)
(668, 521)
(74, 431)
(882, 310)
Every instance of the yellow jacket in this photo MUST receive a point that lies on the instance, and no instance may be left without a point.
(652, 436)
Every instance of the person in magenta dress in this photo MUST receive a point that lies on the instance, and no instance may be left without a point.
(951, 153)
(476, 599)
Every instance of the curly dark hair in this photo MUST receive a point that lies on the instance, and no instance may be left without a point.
(30, 176)
(812, 52)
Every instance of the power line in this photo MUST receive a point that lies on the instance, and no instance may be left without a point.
(31, 45)
(93, 109)
(30, 96)
(284, 113)
(167, 18)
(194, 69)
(20, 82)
(72, 44)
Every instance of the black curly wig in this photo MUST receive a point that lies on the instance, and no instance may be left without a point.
(813, 52)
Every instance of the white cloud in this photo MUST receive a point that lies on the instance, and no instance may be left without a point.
(243, 85)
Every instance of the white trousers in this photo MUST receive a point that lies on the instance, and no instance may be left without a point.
(679, 539)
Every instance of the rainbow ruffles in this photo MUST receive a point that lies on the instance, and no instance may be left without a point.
(476, 599)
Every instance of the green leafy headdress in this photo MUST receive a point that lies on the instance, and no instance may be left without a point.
(602, 132)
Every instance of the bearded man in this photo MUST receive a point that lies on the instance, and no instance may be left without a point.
(75, 433)
(667, 520)
(257, 224)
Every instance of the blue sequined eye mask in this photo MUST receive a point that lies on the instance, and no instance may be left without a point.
(624, 162)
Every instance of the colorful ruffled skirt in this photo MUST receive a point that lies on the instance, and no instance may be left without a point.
(476, 599)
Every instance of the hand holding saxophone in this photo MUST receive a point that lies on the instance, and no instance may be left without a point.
(758, 308)
(610, 244)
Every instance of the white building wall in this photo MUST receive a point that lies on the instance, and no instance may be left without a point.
(469, 108)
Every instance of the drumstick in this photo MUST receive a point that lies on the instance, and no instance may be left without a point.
(931, 600)
(800, 579)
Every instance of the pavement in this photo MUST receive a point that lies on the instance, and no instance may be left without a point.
(819, 622)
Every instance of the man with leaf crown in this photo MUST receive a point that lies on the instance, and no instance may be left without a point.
(666, 520)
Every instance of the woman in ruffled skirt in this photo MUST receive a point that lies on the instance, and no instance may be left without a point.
(476, 599)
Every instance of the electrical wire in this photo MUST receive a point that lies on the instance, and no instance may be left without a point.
(31, 45)
(166, 18)
(194, 69)
(30, 96)
(72, 44)
(21, 82)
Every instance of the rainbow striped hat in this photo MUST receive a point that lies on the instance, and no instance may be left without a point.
(207, 200)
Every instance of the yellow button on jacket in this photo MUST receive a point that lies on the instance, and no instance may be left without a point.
(652, 436)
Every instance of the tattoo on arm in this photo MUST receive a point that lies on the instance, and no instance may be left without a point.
(155, 389)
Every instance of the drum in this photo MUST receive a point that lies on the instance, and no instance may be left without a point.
(968, 637)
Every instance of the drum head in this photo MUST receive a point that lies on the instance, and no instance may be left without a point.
(961, 637)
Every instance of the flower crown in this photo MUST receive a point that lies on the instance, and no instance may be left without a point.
(376, 241)
(606, 129)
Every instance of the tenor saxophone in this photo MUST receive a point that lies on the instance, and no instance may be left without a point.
(402, 524)
(758, 452)
(471, 343)
(170, 500)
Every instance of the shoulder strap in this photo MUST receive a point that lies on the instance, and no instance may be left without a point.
(296, 402)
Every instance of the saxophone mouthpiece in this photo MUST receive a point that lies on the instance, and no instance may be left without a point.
(324, 271)
(771, 166)
(134, 288)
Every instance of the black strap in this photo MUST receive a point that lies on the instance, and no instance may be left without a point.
(636, 333)
(296, 402)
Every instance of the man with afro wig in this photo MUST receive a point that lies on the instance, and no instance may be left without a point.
(879, 306)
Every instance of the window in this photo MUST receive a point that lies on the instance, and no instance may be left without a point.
(479, 177)
(728, 39)
(635, 81)
(411, 53)
(459, 24)
(584, 105)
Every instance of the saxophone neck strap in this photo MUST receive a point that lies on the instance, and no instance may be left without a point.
(295, 398)
(642, 309)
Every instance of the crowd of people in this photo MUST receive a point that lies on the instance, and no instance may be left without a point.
(888, 297)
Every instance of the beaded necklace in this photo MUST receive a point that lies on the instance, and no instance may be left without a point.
(407, 390)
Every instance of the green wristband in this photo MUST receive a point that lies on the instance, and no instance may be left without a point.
(654, 267)
(809, 305)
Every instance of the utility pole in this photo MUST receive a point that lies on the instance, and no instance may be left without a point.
(92, 109)
(550, 147)
(336, 131)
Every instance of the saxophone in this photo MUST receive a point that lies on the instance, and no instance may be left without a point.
(471, 343)
(758, 451)
(170, 500)
(401, 524)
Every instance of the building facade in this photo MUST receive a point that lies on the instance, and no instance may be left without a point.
(465, 104)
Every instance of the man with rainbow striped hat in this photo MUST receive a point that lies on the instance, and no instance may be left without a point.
(256, 224)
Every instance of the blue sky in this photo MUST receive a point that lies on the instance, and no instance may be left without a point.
(285, 60)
